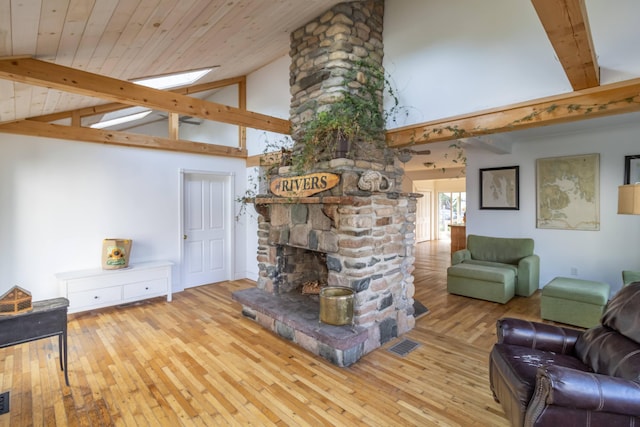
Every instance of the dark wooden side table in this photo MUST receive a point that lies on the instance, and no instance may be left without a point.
(48, 318)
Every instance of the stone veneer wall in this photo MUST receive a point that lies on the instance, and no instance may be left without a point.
(324, 51)
(368, 239)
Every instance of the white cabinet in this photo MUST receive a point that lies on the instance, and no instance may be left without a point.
(96, 288)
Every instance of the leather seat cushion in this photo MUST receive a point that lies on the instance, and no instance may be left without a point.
(517, 366)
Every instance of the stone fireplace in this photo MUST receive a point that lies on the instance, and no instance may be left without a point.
(357, 234)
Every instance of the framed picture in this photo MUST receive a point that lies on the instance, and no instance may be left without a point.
(500, 188)
(568, 192)
(632, 169)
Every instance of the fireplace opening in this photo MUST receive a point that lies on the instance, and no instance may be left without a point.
(301, 270)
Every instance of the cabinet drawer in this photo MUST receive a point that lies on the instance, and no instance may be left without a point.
(108, 278)
(145, 289)
(95, 297)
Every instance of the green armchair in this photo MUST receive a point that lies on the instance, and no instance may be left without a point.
(629, 276)
(494, 268)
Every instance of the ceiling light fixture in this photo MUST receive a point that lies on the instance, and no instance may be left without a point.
(168, 81)
(119, 120)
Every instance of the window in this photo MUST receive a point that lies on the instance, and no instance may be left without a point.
(451, 210)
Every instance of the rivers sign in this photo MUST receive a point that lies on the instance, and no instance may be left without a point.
(305, 185)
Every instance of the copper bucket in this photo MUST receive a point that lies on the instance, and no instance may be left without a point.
(336, 305)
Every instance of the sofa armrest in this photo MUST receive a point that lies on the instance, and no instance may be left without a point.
(458, 256)
(539, 336)
(529, 273)
(571, 388)
(629, 276)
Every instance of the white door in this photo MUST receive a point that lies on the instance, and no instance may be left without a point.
(423, 217)
(207, 243)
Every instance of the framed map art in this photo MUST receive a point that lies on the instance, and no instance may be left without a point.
(568, 192)
(632, 169)
(500, 188)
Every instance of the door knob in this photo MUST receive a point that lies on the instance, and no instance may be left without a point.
(184, 237)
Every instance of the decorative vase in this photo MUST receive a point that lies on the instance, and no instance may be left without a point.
(115, 253)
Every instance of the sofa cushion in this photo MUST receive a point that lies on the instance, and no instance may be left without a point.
(623, 312)
(607, 352)
(587, 291)
(492, 264)
(517, 367)
(499, 249)
(482, 272)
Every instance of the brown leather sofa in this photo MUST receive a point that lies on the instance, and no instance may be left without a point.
(546, 375)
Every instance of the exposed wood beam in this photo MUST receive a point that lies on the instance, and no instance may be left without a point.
(173, 122)
(242, 104)
(100, 136)
(40, 73)
(265, 159)
(254, 161)
(115, 106)
(611, 99)
(76, 119)
(567, 26)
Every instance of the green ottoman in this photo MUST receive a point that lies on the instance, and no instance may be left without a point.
(483, 282)
(574, 301)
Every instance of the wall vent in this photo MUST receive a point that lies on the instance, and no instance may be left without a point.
(4, 402)
(404, 347)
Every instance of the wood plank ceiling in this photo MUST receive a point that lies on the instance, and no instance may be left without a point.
(88, 51)
(128, 39)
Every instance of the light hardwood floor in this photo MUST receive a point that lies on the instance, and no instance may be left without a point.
(197, 361)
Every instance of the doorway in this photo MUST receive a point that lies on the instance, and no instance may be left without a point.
(452, 208)
(423, 217)
(207, 225)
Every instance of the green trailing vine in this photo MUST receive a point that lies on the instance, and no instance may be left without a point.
(343, 128)
(457, 133)
(277, 153)
(354, 121)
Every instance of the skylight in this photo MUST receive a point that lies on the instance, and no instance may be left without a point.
(120, 120)
(165, 81)
(168, 81)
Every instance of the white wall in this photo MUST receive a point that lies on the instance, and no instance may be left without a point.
(448, 57)
(268, 93)
(215, 132)
(60, 199)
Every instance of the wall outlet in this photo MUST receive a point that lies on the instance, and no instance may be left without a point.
(574, 271)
